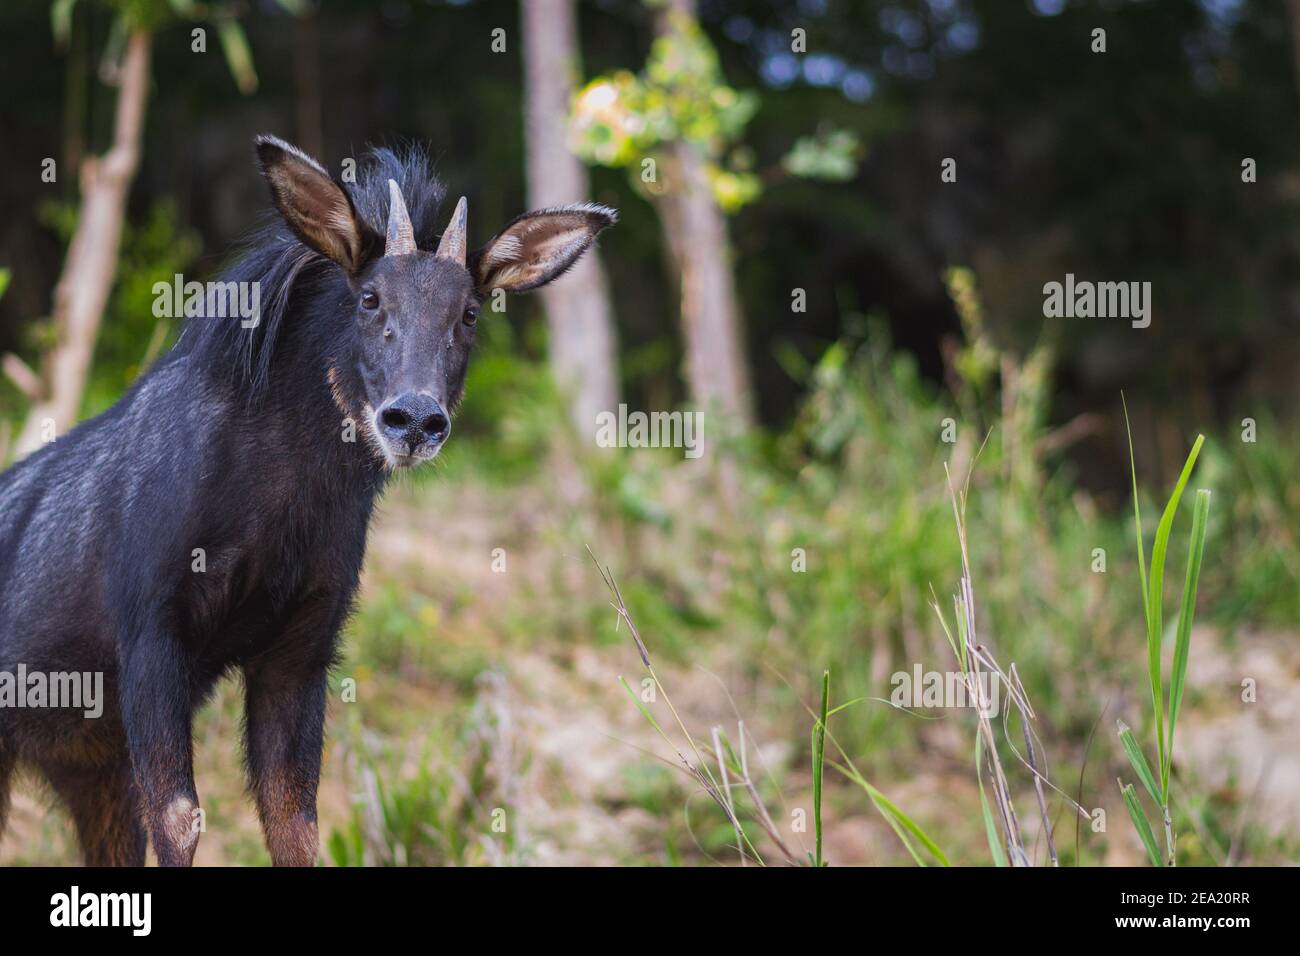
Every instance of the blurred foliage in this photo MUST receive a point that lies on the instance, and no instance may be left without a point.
(858, 486)
(1081, 144)
(510, 398)
(393, 632)
(680, 96)
(412, 807)
(623, 119)
(152, 15)
(855, 492)
(1258, 501)
(153, 250)
(831, 155)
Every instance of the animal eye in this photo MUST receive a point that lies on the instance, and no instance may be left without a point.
(369, 299)
(471, 315)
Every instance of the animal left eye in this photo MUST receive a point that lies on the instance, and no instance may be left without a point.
(471, 315)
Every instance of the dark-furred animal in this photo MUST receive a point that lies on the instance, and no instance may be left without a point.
(214, 520)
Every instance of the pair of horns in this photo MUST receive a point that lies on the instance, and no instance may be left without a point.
(400, 240)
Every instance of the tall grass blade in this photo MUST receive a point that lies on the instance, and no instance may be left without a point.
(958, 651)
(1156, 586)
(819, 760)
(900, 822)
(1139, 762)
(645, 711)
(1183, 643)
(1137, 516)
(1153, 631)
(1161, 545)
(1140, 823)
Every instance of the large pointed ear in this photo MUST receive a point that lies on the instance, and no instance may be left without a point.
(538, 246)
(316, 208)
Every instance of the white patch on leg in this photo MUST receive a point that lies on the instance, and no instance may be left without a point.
(179, 823)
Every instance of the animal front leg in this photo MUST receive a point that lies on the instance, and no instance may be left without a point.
(156, 711)
(285, 718)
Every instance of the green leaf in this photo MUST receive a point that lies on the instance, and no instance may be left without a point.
(1156, 585)
(897, 818)
(1137, 526)
(830, 155)
(1183, 642)
(645, 712)
(234, 44)
(904, 826)
(114, 46)
(61, 20)
(1140, 823)
(1161, 546)
(185, 9)
(1139, 762)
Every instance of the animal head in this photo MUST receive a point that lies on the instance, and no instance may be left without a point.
(399, 365)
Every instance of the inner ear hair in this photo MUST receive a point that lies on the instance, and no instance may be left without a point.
(539, 246)
(314, 205)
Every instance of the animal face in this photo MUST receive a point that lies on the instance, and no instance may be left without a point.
(398, 368)
(411, 335)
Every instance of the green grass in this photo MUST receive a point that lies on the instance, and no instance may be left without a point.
(424, 802)
(819, 763)
(1153, 589)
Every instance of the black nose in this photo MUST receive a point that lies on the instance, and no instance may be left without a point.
(414, 419)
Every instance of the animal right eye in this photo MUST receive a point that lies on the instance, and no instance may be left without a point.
(369, 299)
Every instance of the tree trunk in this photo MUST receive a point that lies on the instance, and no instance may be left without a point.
(91, 264)
(716, 368)
(578, 313)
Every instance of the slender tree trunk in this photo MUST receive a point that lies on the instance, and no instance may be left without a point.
(91, 264)
(716, 367)
(578, 313)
